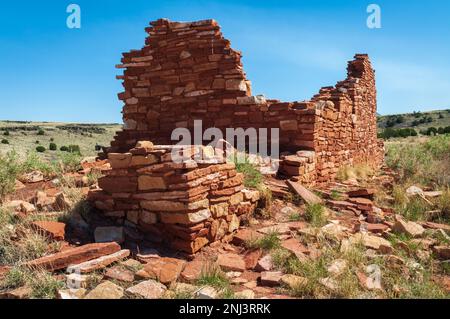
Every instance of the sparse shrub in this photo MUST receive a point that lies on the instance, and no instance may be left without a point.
(9, 170)
(6, 133)
(44, 285)
(52, 147)
(52, 139)
(37, 142)
(64, 149)
(5, 141)
(74, 149)
(41, 132)
(40, 149)
(212, 275)
(69, 162)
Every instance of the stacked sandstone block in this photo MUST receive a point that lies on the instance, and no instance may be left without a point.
(185, 203)
(301, 164)
(188, 71)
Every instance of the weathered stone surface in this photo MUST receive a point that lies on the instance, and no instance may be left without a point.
(166, 270)
(67, 294)
(293, 281)
(244, 236)
(409, 228)
(265, 263)
(373, 242)
(252, 257)
(231, 262)
(101, 262)
(193, 270)
(106, 290)
(18, 293)
(109, 234)
(73, 256)
(53, 230)
(271, 278)
(443, 252)
(308, 196)
(149, 289)
(120, 274)
(207, 293)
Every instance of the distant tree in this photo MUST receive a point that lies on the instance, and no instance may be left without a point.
(400, 119)
(415, 123)
(64, 149)
(4, 141)
(41, 132)
(447, 130)
(6, 133)
(74, 149)
(441, 116)
(417, 114)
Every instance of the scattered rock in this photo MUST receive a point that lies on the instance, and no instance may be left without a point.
(251, 258)
(293, 281)
(109, 234)
(442, 252)
(368, 282)
(166, 270)
(264, 264)
(330, 283)
(271, 278)
(373, 242)
(409, 228)
(295, 247)
(149, 289)
(337, 267)
(231, 262)
(362, 192)
(147, 254)
(53, 230)
(18, 293)
(245, 294)
(32, 177)
(120, 274)
(244, 236)
(106, 290)
(207, 293)
(131, 264)
(414, 190)
(71, 293)
(193, 270)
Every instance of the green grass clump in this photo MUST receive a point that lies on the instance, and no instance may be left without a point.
(267, 242)
(252, 176)
(315, 214)
(9, 170)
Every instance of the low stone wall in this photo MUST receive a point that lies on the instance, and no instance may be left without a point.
(184, 204)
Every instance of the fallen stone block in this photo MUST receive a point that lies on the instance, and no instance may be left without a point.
(308, 196)
(73, 256)
(101, 262)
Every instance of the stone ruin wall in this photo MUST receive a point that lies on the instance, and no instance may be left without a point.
(188, 71)
(183, 205)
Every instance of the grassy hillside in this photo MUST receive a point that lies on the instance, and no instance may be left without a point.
(27, 136)
(417, 120)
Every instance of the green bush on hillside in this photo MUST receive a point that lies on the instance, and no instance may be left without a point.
(40, 149)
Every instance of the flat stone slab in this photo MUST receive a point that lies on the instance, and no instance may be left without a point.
(73, 256)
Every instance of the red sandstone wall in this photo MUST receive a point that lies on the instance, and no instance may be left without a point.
(188, 71)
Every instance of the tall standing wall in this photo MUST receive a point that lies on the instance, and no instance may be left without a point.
(188, 71)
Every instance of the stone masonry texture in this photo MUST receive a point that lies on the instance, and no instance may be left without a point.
(188, 71)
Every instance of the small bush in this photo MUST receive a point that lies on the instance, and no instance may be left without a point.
(41, 132)
(40, 149)
(252, 176)
(37, 142)
(74, 149)
(52, 147)
(4, 141)
(6, 133)
(64, 149)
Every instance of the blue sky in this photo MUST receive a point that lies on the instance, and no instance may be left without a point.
(290, 49)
